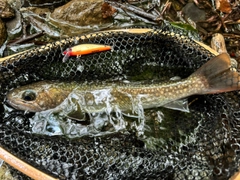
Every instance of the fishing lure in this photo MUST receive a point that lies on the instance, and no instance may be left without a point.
(84, 49)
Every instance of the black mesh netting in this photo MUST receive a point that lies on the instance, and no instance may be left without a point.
(202, 144)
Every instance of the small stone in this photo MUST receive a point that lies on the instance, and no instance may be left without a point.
(218, 43)
(81, 13)
(193, 12)
(78, 17)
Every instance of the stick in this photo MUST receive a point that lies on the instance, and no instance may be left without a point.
(23, 167)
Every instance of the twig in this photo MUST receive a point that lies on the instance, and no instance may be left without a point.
(135, 10)
(166, 5)
(23, 166)
(27, 38)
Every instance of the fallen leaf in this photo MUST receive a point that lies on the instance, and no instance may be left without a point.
(107, 10)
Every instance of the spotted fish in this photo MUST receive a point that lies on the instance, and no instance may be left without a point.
(215, 76)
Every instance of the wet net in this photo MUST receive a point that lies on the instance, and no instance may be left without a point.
(202, 144)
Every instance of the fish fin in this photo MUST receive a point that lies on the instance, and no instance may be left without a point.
(175, 78)
(180, 105)
(219, 75)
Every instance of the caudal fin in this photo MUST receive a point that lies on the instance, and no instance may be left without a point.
(219, 75)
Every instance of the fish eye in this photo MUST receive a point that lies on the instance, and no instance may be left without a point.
(29, 96)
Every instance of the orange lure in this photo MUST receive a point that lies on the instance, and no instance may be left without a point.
(84, 49)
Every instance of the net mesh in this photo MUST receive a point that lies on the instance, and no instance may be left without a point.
(202, 144)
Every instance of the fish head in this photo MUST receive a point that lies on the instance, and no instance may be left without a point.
(36, 97)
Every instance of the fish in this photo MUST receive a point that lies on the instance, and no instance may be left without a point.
(215, 76)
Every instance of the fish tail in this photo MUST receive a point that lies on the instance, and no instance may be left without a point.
(219, 75)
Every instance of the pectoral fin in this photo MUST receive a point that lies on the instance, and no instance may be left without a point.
(77, 114)
(180, 105)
